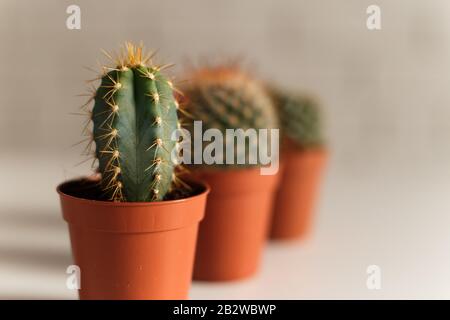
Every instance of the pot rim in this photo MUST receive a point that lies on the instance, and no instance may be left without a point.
(206, 190)
(315, 149)
(226, 169)
(237, 182)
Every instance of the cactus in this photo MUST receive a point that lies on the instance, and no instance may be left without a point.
(227, 98)
(300, 118)
(134, 115)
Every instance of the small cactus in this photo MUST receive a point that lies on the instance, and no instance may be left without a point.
(227, 98)
(134, 115)
(300, 118)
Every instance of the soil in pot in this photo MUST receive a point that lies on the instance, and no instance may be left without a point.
(233, 233)
(132, 250)
(297, 194)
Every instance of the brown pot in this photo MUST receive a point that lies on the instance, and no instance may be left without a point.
(132, 250)
(297, 193)
(233, 233)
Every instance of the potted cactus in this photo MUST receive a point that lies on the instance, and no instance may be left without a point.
(133, 230)
(232, 235)
(303, 155)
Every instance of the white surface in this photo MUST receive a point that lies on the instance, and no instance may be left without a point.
(386, 98)
(395, 220)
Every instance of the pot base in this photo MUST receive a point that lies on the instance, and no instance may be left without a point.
(233, 234)
(132, 250)
(295, 201)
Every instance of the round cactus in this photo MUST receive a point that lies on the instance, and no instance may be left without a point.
(227, 98)
(300, 118)
(134, 115)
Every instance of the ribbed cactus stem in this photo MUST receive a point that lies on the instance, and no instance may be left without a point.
(134, 116)
(300, 118)
(228, 98)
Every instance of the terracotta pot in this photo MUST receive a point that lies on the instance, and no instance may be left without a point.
(132, 250)
(297, 193)
(232, 235)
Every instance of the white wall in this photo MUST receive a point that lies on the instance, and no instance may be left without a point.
(384, 92)
(386, 96)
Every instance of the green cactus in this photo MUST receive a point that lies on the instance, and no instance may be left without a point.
(134, 115)
(300, 118)
(227, 98)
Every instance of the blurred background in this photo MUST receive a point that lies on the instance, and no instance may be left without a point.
(385, 95)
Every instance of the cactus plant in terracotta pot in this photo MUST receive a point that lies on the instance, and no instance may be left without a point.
(303, 155)
(133, 230)
(233, 233)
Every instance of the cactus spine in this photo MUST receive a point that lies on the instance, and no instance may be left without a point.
(300, 118)
(227, 98)
(134, 115)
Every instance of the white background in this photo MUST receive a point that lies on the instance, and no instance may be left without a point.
(385, 94)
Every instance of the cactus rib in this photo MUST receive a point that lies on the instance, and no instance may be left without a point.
(134, 115)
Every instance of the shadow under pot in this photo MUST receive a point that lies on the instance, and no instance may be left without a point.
(232, 235)
(298, 191)
(132, 250)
